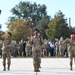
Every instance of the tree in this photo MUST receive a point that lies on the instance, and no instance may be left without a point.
(27, 9)
(31, 12)
(58, 27)
(42, 25)
(19, 29)
(72, 30)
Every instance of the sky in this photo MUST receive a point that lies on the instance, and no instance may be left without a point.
(53, 6)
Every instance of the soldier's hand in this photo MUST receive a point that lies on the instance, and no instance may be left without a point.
(66, 38)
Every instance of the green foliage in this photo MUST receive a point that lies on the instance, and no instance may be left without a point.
(27, 9)
(27, 16)
(19, 29)
(58, 27)
(33, 13)
(42, 25)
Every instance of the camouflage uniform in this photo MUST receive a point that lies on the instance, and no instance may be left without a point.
(28, 49)
(15, 49)
(0, 48)
(61, 47)
(57, 48)
(71, 50)
(46, 48)
(20, 49)
(6, 53)
(12, 48)
(36, 51)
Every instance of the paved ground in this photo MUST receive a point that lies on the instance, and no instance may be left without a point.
(50, 66)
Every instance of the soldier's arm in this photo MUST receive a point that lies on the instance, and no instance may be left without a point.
(42, 40)
(66, 41)
(71, 43)
(31, 41)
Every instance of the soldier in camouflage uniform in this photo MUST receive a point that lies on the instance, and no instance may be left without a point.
(28, 49)
(6, 51)
(36, 43)
(71, 43)
(20, 49)
(15, 49)
(1, 47)
(61, 47)
(57, 47)
(46, 48)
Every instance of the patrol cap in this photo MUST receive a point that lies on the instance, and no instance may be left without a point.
(9, 33)
(36, 30)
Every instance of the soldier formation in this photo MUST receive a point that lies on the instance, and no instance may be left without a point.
(36, 47)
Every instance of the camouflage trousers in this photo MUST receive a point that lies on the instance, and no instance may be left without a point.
(72, 55)
(28, 53)
(61, 51)
(6, 55)
(36, 57)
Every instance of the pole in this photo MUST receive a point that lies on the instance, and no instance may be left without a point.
(32, 29)
(69, 22)
(0, 11)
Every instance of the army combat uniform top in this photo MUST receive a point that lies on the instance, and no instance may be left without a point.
(36, 43)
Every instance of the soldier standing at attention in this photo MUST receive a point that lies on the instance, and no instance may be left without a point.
(28, 49)
(6, 51)
(36, 42)
(71, 43)
(57, 47)
(61, 47)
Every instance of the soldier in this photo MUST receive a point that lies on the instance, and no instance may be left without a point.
(28, 49)
(12, 48)
(36, 43)
(15, 49)
(24, 48)
(6, 51)
(46, 48)
(57, 47)
(61, 46)
(1, 47)
(71, 43)
(20, 48)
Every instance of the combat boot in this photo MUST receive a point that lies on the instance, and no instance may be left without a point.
(39, 66)
(71, 67)
(4, 68)
(34, 69)
(8, 67)
(37, 69)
